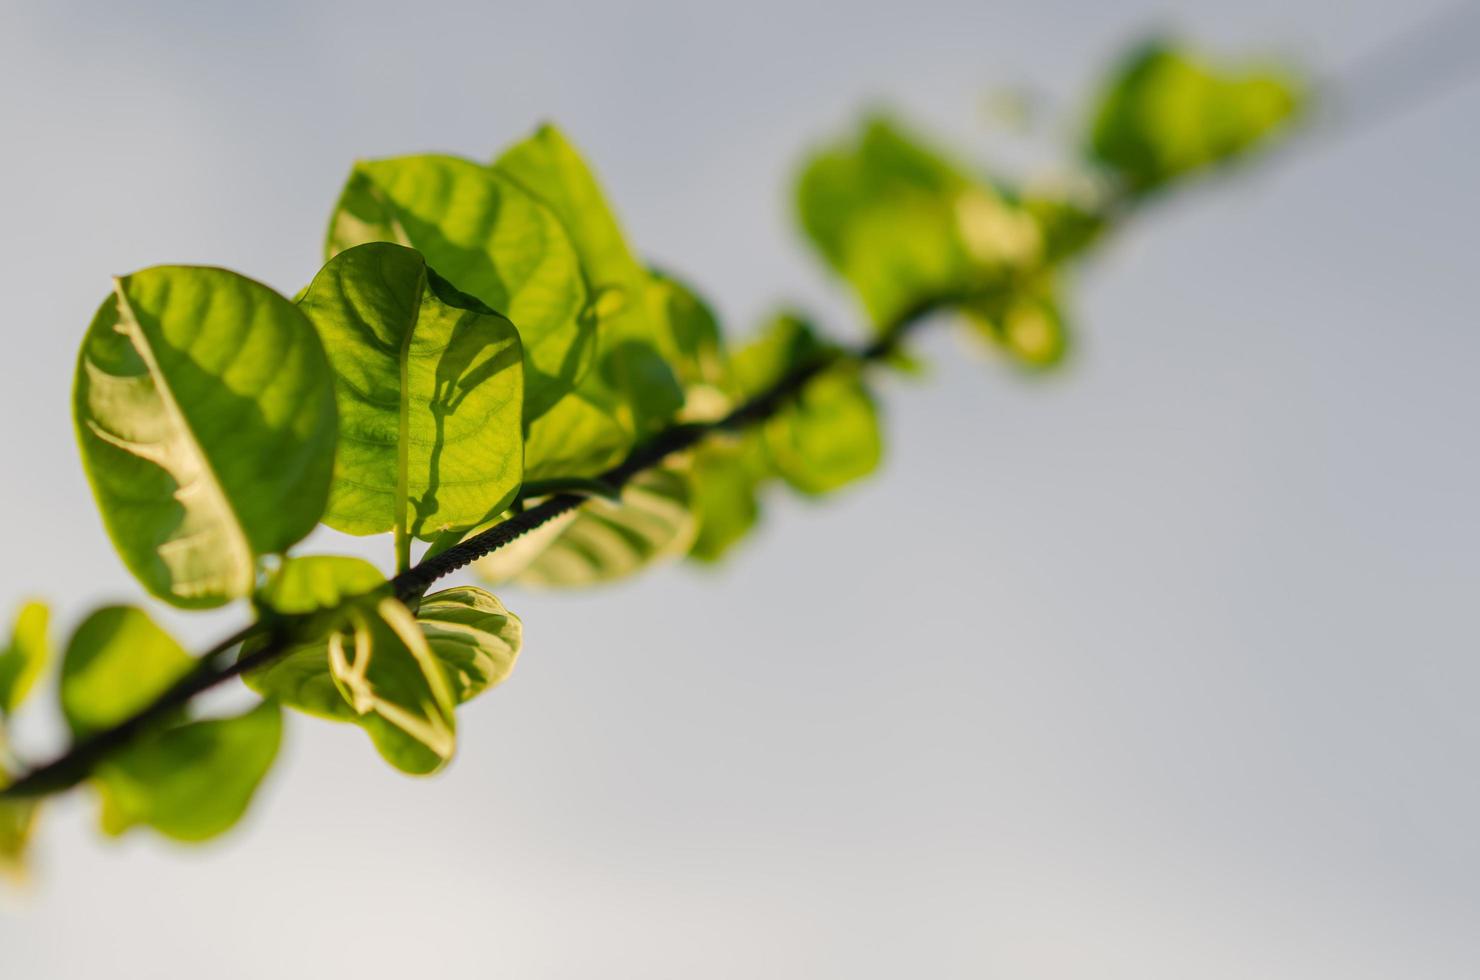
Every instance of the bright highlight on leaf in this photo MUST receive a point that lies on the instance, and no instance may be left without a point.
(376, 664)
(429, 383)
(604, 540)
(205, 411)
(473, 636)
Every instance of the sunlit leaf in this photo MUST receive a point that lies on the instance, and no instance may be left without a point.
(191, 781)
(429, 386)
(603, 540)
(1165, 114)
(117, 662)
(205, 412)
(473, 636)
(902, 224)
(384, 668)
(22, 661)
(635, 342)
(490, 238)
(370, 665)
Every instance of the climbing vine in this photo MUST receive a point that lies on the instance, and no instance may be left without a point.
(485, 373)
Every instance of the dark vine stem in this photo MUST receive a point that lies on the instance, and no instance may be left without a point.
(1414, 67)
(278, 633)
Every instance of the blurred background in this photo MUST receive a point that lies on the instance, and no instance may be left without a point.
(1162, 666)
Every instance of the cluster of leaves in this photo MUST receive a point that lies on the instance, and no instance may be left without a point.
(482, 335)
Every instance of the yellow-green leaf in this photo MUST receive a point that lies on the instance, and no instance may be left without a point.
(490, 238)
(902, 224)
(473, 636)
(205, 412)
(17, 825)
(117, 662)
(370, 664)
(22, 661)
(193, 781)
(1025, 322)
(429, 384)
(1166, 114)
(603, 540)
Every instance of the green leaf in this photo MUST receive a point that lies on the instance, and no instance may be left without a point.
(385, 670)
(189, 780)
(490, 238)
(550, 168)
(473, 636)
(17, 825)
(429, 386)
(22, 661)
(370, 664)
(192, 781)
(725, 475)
(829, 437)
(117, 662)
(205, 412)
(1025, 322)
(602, 541)
(902, 224)
(311, 583)
(1165, 114)
(699, 357)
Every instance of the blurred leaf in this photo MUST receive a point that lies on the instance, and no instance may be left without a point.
(1068, 227)
(828, 438)
(23, 660)
(473, 636)
(602, 541)
(902, 224)
(192, 781)
(370, 665)
(1024, 322)
(117, 663)
(205, 412)
(696, 335)
(188, 780)
(1165, 114)
(489, 238)
(725, 475)
(429, 386)
(828, 435)
(17, 825)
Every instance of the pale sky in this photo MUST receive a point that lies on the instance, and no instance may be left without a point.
(1162, 668)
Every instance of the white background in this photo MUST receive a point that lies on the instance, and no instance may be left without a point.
(1162, 668)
